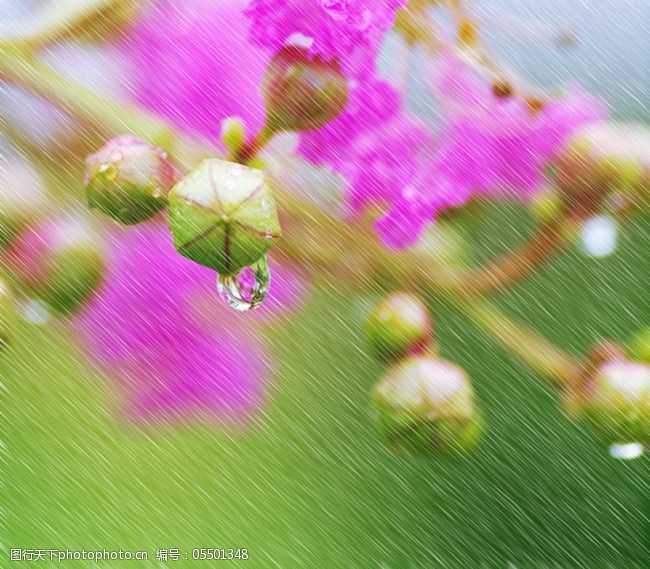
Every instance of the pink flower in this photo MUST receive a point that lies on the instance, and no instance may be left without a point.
(193, 64)
(495, 145)
(350, 30)
(486, 146)
(158, 327)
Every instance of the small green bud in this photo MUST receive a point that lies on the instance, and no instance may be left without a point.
(223, 216)
(615, 401)
(8, 319)
(398, 325)
(302, 92)
(23, 198)
(639, 346)
(426, 405)
(128, 179)
(233, 134)
(59, 261)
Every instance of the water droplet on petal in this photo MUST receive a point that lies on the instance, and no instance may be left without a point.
(626, 451)
(247, 289)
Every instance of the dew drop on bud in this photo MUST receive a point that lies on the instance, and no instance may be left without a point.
(247, 289)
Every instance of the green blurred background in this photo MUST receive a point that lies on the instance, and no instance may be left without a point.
(309, 485)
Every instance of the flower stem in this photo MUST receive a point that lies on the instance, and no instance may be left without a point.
(328, 243)
(538, 353)
(251, 148)
(52, 22)
(549, 239)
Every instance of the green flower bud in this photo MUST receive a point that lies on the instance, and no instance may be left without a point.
(398, 325)
(23, 198)
(59, 261)
(639, 346)
(302, 92)
(223, 216)
(615, 401)
(8, 319)
(128, 179)
(604, 159)
(426, 405)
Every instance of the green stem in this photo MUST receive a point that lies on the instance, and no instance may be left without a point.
(109, 115)
(250, 149)
(537, 352)
(346, 240)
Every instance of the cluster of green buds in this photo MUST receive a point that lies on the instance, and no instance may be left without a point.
(423, 404)
(614, 397)
(605, 161)
(222, 214)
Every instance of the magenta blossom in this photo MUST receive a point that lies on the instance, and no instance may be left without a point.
(159, 328)
(349, 30)
(203, 68)
(495, 145)
(486, 145)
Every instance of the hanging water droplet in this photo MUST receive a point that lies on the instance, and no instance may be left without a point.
(626, 451)
(247, 289)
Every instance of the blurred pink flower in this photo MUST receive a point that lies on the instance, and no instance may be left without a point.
(158, 326)
(497, 145)
(193, 64)
(486, 145)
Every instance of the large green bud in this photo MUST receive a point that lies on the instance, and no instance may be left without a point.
(302, 92)
(426, 405)
(128, 179)
(223, 216)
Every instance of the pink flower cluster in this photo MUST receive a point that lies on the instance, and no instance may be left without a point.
(203, 68)
(160, 329)
(486, 145)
